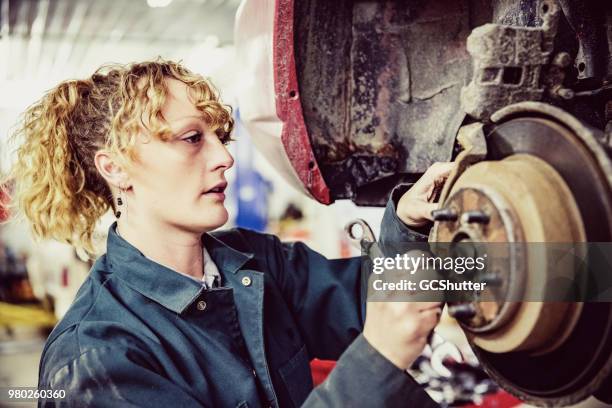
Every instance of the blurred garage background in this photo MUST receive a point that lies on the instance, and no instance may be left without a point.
(43, 42)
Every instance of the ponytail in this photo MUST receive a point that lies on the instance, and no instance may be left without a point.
(50, 184)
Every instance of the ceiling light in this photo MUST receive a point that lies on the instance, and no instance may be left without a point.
(158, 3)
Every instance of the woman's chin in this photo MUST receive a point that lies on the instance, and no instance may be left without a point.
(215, 218)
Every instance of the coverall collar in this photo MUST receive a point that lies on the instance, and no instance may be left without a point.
(163, 285)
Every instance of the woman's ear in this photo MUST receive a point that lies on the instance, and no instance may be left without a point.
(110, 170)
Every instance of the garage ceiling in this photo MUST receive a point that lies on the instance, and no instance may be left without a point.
(45, 39)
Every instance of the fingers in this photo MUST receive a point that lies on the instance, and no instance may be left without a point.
(429, 319)
(439, 170)
(400, 330)
(426, 306)
(426, 209)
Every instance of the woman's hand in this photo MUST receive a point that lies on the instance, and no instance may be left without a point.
(415, 206)
(399, 330)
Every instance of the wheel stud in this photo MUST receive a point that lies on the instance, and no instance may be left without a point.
(462, 311)
(479, 217)
(444, 214)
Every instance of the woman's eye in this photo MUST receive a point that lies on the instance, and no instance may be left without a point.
(194, 138)
(224, 137)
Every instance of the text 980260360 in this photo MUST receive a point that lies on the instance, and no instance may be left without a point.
(30, 394)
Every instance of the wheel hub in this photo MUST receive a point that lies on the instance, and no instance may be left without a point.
(540, 182)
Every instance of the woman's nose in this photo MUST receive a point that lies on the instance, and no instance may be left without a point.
(218, 156)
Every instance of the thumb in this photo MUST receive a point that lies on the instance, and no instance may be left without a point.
(427, 208)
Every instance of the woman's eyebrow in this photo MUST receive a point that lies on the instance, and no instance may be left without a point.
(184, 118)
(179, 123)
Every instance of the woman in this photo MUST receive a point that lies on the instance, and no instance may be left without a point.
(172, 315)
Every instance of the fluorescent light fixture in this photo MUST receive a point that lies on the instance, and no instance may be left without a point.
(158, 3)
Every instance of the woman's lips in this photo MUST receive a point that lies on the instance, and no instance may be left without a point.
(217, 192)
(216, 195)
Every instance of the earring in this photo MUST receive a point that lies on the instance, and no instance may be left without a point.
(119, 204)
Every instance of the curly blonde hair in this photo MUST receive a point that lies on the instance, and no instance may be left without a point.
(56, 185)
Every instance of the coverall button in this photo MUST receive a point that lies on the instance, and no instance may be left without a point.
(201, 305)
(246, 281)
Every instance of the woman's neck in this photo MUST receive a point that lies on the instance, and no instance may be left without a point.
(176, 249)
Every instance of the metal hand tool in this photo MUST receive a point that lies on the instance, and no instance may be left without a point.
(441, 349)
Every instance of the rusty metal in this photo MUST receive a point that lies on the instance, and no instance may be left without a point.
(474, 149)
(532, 196)
(289, 108)
(379, 106)
(501, 229)
(568, 146)
(590, 152)
(589, 25)
(378, 88)
(555, 76)
(580, 349)
(496, 311)
(572, 149)
(508, 61)
(370, 92)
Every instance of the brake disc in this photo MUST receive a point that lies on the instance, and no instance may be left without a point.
(546, 354)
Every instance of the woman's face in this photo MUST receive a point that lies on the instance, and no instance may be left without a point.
(180, 183)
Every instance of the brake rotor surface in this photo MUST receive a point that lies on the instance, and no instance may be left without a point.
(575, 367)
(524, 200)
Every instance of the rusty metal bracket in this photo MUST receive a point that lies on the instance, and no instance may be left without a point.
(508, 62)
